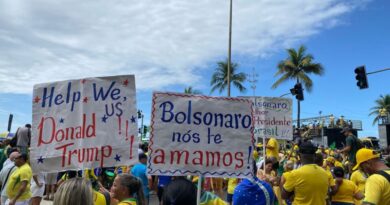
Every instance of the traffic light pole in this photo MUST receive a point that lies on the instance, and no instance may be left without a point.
(285, 95)
(299, 113)
(361, 76)
(378, 71)
(142, 127)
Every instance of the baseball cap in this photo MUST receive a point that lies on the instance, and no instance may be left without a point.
(345, 129)
(331, 159)
(364, 155)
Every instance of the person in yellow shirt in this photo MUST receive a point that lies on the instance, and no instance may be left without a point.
(232, 183)
(330, 163)
(288, 167)
(332, 185)
(18, 186)
(377, 189)
(347, 191)
(308, 183)
(338, 160)
(272, 148)
(99, 198)
(359, 178)
(125, 188)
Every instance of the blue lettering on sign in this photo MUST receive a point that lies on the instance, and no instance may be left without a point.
(71, 97)
(164, 105)
(235, 120)
(103, 95)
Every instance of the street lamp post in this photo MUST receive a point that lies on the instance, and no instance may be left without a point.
(230, 47)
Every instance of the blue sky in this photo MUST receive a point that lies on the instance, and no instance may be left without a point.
(175, 44)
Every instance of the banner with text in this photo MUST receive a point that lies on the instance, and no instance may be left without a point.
(85, 123)
(193, 134)
(272, 117)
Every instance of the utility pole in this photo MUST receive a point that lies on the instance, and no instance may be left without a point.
(230, 46)
(322, 128)
(252, 79)
(11, 116)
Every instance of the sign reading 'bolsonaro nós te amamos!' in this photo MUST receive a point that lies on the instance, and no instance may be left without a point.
(200, 135)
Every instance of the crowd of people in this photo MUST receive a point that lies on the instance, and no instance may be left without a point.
(297, 173)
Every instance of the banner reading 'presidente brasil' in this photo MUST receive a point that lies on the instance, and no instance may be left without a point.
(203, 135)
(84, 123)
(272, 117)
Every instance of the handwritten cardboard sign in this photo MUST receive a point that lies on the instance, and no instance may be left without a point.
(193, 135)
(84, 123)
(272, 117)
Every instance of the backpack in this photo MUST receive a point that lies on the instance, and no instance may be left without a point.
(384, 174)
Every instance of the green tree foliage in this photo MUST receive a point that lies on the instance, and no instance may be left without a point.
(219, 78)
(381, 104)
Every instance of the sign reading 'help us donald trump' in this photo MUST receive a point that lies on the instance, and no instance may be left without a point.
(192, 134)
(85, 123)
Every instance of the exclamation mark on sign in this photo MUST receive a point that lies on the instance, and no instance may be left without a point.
(127, 128)
(131, 146)
(120, 124)
(249, 156)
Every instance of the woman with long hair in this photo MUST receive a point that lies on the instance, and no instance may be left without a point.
(75, 191)
(127, 189)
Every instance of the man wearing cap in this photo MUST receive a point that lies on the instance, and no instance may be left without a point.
(377, 189)
(308, 183)
(352, 145)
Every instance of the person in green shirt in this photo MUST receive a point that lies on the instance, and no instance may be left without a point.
(352, 145)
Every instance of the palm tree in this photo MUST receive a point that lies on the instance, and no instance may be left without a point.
(190, 90)
(219, 78)
(297, 66)
(381, 109)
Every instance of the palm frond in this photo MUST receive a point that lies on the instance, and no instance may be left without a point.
(297, 66)
(239, 86)
(281, 80)
(307, 82)
(383, 102)
(375, 112)
(376, 119)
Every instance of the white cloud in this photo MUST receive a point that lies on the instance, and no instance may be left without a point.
(162, 42)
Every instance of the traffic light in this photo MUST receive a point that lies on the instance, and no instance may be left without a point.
(361, 77)
(293, 91)
(139, 113)
(145, 129)
(297, 91)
